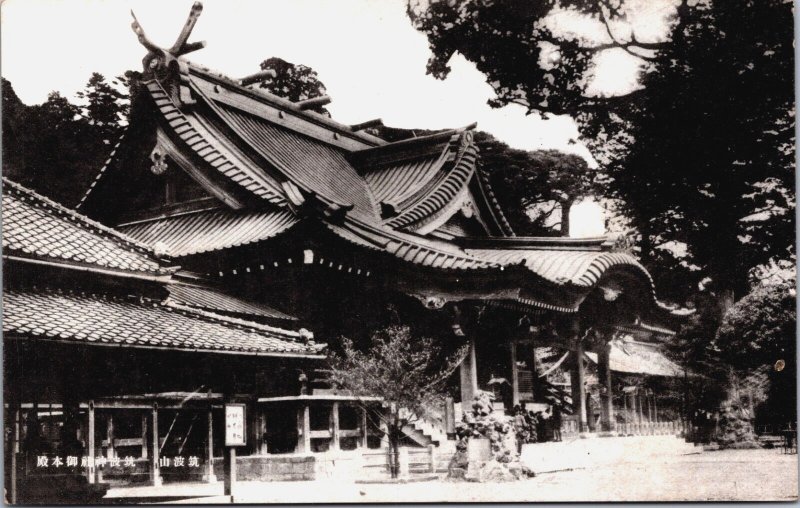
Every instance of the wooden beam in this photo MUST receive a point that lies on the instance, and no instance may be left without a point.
(469, 375)
(155, 473)
(179, 48)
(607, 421)
(364, 429)
(257, 77)
(315, 102)
(335, 427)
(110, 454)
(14, 455)
(90, 470)
(210, 477)
(514, 375)
(579, 387)
(369, 124)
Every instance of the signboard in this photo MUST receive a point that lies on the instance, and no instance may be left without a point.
(234, 425)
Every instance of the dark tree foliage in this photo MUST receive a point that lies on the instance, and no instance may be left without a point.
(533, 187)
(107, 107)
(700, 153)
(759, 332)
(57, 148)
(711, 157)
(760, 328)
(512, 44)
(295, 82)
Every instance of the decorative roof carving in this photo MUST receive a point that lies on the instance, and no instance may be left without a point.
(165, 64)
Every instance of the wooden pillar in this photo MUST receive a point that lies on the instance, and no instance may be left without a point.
(261, 433)
(578, 379)
(364, 429)
(639, 404)
(514, 375)
(15, 449)
(655, 407)
(144, 435)
(210, 477)
(607, 422)
(469, 375)
(534, 375)
(230, 471)
(110, 453)
(155, 473)
(335, 427)
(303, 429)
(90, 470)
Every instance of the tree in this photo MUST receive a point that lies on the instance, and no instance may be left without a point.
(405, 371)
(106, 107)
(525, 58)
(710, 158)
(57, 148)
(535, 188)
(295, 82)
(699, 151)
(760, 331)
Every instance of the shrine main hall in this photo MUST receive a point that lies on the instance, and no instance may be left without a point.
(253, 230)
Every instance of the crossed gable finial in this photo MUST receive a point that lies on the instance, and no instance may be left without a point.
(159, 58)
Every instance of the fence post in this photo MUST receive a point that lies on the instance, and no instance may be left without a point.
(432, 456)
(402, 462)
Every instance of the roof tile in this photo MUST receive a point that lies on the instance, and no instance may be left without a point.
(97, 318)
(35, 225)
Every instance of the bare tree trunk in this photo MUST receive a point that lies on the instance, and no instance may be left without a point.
(394, 445)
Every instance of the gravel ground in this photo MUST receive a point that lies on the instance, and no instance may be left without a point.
(740, 475)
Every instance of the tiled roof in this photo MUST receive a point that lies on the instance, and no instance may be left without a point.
(208, 231)
(34, 226)
(311, 164)
(443, 190)
(639, 358)
(417, 250)
(391, 183)
(580, 268)
(213, 300)
(206, 144)
(97, 319)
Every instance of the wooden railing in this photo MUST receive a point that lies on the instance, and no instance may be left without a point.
(569, 426)
(411, 460)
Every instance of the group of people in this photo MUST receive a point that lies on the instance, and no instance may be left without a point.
(539, 426)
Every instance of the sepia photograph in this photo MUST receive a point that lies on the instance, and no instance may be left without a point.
(398, 251)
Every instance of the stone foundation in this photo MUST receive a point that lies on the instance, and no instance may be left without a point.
(276, 468)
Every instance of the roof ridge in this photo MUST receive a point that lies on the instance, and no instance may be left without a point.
(437, 137)
(486, 188)
(79, 218)
(281, 102)
(233, 322)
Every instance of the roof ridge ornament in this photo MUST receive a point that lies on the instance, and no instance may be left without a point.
(165, 64)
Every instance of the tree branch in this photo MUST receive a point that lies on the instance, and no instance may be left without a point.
(626, 46)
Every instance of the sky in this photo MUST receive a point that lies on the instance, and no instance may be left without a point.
(370, 58)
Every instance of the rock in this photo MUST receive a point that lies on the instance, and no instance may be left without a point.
(494, 471)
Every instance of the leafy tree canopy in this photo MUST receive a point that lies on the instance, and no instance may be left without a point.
(295, 82)
(407, 372)
(699, 152)
(57, 147)
(760, 328)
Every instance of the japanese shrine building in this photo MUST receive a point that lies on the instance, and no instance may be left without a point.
(330, 223)
(255, 216)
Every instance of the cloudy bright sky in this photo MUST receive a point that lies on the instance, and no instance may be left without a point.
(370, 58)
